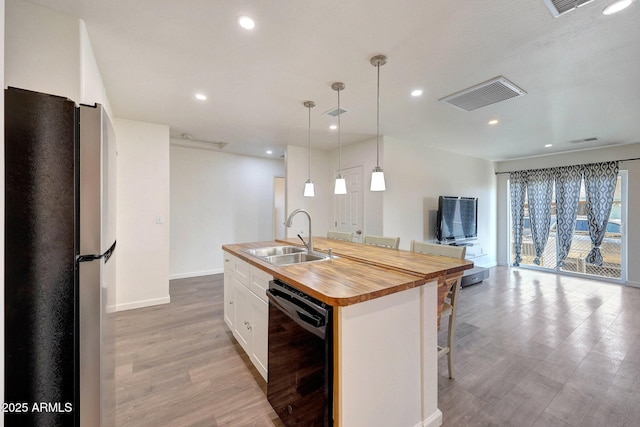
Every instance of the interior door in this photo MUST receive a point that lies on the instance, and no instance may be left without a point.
(348, 208)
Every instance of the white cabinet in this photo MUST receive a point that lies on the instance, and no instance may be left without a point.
(260, 283)
(229, 299)
(246, 308)
(260, 337)
(241, 270)
(244, 318)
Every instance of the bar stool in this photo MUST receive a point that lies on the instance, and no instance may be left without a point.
(450, 307)
(386, 242)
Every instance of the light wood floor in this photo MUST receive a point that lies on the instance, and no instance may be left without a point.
(178, 364)
(533, 349)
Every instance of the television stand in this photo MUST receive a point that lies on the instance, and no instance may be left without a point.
(473, 276)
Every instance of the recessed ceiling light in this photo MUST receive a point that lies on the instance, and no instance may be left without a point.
(616, 6)
(548, 145)
(493, 122)
(269, 152)
(333, 127)
(246, 22)
(416, 92)
(201, 97)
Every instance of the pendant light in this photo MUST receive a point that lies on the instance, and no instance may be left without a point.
(377, 175)
(308, 186)
(341, 184)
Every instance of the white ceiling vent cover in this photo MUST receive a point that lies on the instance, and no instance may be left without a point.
(560, 7)
(334, 112)
(487, 93)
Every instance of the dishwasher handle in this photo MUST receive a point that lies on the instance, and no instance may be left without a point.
(308, 321)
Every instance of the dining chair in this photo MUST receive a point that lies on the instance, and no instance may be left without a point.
(450, 307)
(386, 242)
(340, 235)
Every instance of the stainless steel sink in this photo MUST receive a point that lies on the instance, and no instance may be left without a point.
(274, 250)
(294, 258)
(285, 255)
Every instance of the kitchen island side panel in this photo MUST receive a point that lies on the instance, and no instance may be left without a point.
(381, 357)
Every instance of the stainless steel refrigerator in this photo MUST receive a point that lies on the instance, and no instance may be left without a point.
(59, 263)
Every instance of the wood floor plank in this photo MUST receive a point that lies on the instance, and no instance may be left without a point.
(178, 364)
(576, 333)
(527, 401)
(532, 349)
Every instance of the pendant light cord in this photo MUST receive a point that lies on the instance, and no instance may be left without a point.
(377, 175)
(378, 121)
(339, 141)
(309, 142)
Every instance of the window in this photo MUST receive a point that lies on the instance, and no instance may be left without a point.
(611, 248)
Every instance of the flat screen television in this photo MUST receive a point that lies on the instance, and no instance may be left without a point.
(457, 218)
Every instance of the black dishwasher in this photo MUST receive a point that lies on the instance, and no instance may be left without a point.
(300, 386)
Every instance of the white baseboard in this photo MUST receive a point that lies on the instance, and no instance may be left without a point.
(138, 304)
(485, 265)
(195, 274)
(634, 284)
(434, 420)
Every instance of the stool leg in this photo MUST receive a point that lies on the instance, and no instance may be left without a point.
(451, 343)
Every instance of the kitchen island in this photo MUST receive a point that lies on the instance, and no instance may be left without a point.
(385, 325)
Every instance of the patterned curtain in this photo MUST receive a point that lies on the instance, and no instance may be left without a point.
(540, 193)
(568, 180)
(600, 185)
(518, 190)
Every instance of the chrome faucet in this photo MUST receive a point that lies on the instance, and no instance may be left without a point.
(289, 223)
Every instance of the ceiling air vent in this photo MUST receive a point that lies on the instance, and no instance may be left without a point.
(487, 93)
(579, 141)
(335, 112)
(560, 7)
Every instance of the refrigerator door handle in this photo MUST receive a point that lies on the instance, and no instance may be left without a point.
(93, 257)
(109, 252)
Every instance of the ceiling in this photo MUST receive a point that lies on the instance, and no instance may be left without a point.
(580, 71)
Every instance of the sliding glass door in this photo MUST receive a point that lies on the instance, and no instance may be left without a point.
(612, 247)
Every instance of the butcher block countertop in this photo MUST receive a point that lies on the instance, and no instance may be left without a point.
(358, 273)
(426, 266)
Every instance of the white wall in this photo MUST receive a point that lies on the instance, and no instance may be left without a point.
(503, 209)
(319, 207)
(142, 276)
(50, 52)
(217, 198)
(363, 154)
(416, 175)
(42, 50)
(280, 207)
(580, 157)
(91, 85)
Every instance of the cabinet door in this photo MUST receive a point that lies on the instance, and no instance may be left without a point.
(229, 301)
(242, 323)
(260, 336)
(229, 309)
(260, 283)
(241, 271)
